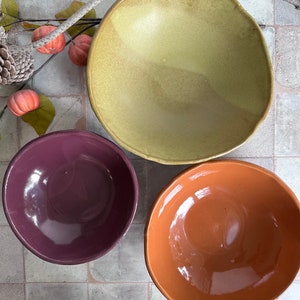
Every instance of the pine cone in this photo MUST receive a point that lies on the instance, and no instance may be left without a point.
(7, 66)
(23, 65)
(16, 63)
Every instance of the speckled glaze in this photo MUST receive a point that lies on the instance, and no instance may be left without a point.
(179, 81)
(69, 196)
(226, 230)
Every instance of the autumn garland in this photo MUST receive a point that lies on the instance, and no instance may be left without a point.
(77, 17)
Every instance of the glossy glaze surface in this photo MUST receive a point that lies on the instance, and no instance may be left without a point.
(224, 230)
(179, 81)
(70, 196)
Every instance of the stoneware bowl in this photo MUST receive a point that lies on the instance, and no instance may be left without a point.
(179, 81)
(70, 196)
(224, 230)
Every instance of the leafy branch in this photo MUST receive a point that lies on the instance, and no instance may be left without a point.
(80, 12)
(21, 20)
(3, 111)
(27, 23)
(71, 22)
(46, 63)
(54, 55)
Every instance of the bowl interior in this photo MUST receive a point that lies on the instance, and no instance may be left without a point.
(179, 81)
(224, 230)
(70, 196)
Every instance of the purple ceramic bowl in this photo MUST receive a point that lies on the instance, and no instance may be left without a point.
(70, 196)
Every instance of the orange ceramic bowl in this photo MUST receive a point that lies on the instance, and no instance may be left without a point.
(225, 230)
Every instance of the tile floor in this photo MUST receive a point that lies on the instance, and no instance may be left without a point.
(122, 274)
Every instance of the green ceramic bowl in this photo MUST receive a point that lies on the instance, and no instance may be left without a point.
(179, 81)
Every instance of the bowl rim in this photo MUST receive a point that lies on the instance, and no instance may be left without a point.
(165, 191)
(71, 132)
(166, 160)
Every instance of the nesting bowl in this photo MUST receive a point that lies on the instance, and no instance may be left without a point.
(225, 230)
(180, 81)
(70, 196)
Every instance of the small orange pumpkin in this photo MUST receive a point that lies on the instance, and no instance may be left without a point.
(23, 101)
(56, 45)
(79, 49)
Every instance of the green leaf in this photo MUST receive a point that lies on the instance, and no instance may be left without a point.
(69, 11)
(10, 10)
(41, 118)
(30, 26)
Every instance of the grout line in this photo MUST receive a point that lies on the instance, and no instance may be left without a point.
(123, 282)
(56, 282)
(149, 291)
(274, 11)
(24, 289)
(24, 270)
(274, 122)
(85, 99)
(87, 291)
(287, 156)
(288, 26)
(18, 134)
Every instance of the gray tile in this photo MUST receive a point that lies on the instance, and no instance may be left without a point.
(26, 133)
(261, 142)
(7, 90)
(142, 209)
(60, 77)
(269, 35)
(155, 293)
(103, 7)
(68, 112)
(287, 54)
(286, 14)
(11, 257)
(159, 176)
(292, 293)
(288, 169)
(114, 291)
(287, 128)
(3, 220)
(124, 263)
(9, 135)
(266, 162)
(12, 292)
(41, 9)
(37, 270)
(47, 291)
(261, 11)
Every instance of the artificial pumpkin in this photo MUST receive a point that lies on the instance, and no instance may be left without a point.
(56, 45)
(23, 101)
(79, 49)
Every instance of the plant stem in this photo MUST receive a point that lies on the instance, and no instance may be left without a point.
(2, 111)
(84, 21)
(65, 25)
(45, 63)
(296, 3)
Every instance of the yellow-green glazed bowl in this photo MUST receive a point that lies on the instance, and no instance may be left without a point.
(179, 81)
